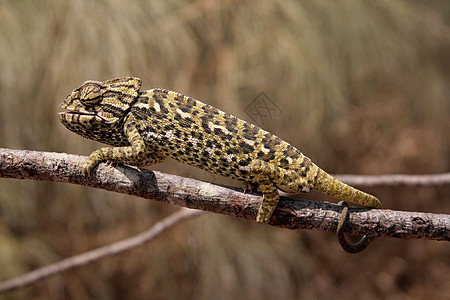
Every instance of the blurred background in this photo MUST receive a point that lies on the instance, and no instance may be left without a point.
(361, 87)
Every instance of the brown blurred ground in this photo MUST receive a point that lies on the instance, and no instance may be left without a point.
(363, 87)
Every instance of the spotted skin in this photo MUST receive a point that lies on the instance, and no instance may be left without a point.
(146, 127)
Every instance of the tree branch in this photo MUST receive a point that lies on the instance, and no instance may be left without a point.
(290, 213)
(99, 253)
(396, 179)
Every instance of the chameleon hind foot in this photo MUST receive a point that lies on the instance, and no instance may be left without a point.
(269, 203)
(349, 247)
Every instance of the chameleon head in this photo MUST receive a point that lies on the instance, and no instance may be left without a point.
(97, 106)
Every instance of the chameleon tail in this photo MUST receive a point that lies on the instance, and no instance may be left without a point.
(331, 186)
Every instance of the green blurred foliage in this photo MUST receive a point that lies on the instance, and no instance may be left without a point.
(363, 87)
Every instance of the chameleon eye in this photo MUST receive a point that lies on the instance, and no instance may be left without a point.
(90, 94)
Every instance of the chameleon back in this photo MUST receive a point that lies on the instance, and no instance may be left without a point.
(203, 136)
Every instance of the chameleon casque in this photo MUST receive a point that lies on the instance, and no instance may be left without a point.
(146, 127)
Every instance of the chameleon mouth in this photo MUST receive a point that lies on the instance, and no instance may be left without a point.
(73, 113)
(71, 110)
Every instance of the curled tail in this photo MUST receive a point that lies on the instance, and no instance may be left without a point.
(331, 186)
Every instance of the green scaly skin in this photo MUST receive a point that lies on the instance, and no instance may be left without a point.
(146, 127)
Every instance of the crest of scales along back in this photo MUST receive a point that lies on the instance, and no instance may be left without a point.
(147, 127)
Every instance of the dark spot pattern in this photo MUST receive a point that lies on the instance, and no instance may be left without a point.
(146, 127)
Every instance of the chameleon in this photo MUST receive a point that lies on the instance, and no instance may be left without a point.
(146, 127)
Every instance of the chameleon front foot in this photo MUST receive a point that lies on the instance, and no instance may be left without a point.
(88, 166)
(349, 247)
(94, 159)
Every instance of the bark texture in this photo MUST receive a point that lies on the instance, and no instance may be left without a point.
(290, 213)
